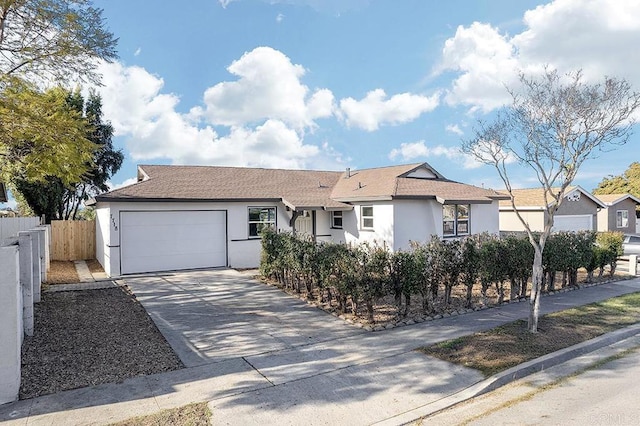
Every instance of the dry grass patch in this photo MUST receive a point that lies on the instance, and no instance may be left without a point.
(62, 272)
(506, 346)
(197, 414)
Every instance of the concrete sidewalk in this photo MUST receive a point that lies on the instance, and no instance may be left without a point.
(354, 377)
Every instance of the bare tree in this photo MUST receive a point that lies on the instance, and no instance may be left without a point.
(554, 124)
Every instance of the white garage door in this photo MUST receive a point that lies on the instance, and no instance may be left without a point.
(573, 223)
(170, 240)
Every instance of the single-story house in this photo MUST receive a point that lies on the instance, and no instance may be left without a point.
(619, 213)
(183, 217)
(578, 212)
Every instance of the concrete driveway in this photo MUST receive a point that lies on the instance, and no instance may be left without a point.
(213, 315)
(261, 357)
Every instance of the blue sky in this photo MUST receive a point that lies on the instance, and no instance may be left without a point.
(329, 84)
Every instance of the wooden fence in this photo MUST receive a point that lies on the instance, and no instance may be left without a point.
(73, 239)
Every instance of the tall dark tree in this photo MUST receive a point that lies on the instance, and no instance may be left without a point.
(55, 200)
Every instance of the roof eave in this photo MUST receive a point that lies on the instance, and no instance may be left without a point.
(186, 200)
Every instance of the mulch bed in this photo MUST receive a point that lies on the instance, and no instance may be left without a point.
(386, 314)
(62, 272)
(94, 266)
(89, 337)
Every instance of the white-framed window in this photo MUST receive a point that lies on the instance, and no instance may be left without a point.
(622, 218)
(261, 218)
(366, 217)
(336, 219)
(455, 220)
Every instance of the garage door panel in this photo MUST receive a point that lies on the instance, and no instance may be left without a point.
(573, 223)
(171, 240)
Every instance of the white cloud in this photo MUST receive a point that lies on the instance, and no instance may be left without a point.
(279, 18)
(412, 150)
(268, 86)
(126, 182)
(598, 36)
(375, 110)
(454, 128)
(485, 59)
(152, 128)
(137, 52)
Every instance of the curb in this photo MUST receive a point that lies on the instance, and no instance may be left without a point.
(515, 373)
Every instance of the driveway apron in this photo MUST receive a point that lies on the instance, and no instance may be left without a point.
(212, 315)
(317, 369)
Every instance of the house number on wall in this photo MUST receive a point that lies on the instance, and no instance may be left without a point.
(113, 222)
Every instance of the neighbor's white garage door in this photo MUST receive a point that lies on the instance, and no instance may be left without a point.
(573, 223)
(169, 240)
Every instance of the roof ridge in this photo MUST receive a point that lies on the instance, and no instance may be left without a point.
(237, 167)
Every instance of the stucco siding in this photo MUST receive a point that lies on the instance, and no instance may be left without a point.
(415, 221)
(581, 207)
(607, 217)
(242, 252)
(382, 232)
(103, 237)
(509, 221)
(485, 218)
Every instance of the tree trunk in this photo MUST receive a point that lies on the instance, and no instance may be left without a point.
(407, 301)
(514, 289)
(469, 295)
(536, 287)
(369, 303)
(447, 294)
(500, 290)
(425, 303)
(523, 287)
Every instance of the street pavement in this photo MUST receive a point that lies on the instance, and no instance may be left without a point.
(262, 357)
(574, 393)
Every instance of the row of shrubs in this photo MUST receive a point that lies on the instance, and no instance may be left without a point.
(359, 275)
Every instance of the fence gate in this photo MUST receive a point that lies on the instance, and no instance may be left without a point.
(73, 239)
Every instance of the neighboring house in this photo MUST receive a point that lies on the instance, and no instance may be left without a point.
(3, 193)
(619, 213)
(578, 212)
(182, 217)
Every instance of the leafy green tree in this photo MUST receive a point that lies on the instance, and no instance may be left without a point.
(44, 42)
(53, 39)
(553, 125)
(41, 135)
(626, 183)
(470, 264)
(56, 199)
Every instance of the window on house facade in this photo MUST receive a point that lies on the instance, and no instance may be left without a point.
(622, 218)
(455, 220)
(366, 217)
(336, 219)
(261, 218)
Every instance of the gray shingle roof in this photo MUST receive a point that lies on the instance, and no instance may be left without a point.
(298, 189)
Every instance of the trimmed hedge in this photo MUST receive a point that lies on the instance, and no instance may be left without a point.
(354, 276)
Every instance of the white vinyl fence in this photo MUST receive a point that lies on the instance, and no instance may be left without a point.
(24, 260)
(10, 226)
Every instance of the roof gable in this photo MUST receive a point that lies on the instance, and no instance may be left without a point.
(533, 198)
(613, 199)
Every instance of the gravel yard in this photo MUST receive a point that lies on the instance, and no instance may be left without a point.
(89, 337)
